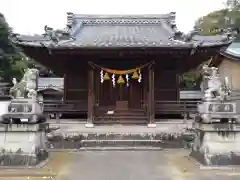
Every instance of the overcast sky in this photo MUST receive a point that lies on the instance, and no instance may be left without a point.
(30, 16)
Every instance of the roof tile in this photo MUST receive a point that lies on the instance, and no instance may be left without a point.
(124, 31)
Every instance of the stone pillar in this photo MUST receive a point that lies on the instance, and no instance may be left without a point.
(90, 114)
(23, 144)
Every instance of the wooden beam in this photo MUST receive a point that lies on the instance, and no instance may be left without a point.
(178, 81)
(65, 89)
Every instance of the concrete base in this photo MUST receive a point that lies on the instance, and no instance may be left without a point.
(217, 144)
(89, 125)
(22, 145)
(152, 125)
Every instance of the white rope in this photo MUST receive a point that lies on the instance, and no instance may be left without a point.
(101, 76)
(140, 76)
(113, 80)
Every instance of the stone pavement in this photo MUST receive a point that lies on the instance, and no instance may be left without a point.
(121, 165)
(141, 165)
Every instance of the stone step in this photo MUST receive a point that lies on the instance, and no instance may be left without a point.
(121, 110)
(130, 136)
(114, 148)
(124, 121)
(123, 116)
(132, 143)
(137, 114)
(120, 143)
(100, 136)
(116, 144)
(106, 140)
(139, 148)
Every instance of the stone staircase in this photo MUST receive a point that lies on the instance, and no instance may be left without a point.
(122, 116)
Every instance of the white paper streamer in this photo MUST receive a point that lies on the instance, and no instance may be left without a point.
(127, 79)
(140, 76)
(113, 80)
(101, 76)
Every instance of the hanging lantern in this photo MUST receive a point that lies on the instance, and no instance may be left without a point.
(120, 80)
(106, 76)
(135, 75)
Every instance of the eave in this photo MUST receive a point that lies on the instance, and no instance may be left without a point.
(157, 50)
(230, 56)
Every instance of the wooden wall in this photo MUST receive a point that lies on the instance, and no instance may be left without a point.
(76, 82)
(166, 81)
(231, 69)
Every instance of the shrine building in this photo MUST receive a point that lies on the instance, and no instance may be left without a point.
(121, 68)
(228, 63)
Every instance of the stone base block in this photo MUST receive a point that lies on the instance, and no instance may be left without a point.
(22, 145)
(221, 159)
(217, 147)
(22, 159)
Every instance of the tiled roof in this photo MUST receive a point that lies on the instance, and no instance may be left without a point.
(124, 31)
(123, 35)
(209, 39)
(35, 38)
(233, 50)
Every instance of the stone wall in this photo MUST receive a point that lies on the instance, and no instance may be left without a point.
(22, 145)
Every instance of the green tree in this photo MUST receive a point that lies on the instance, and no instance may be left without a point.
(191, 80)
(211, 24)
(215, 22)
(12, 61)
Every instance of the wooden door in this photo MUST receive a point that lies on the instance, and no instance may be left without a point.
(109, 96)
(122, 92)
(122, 97)
(136, 94)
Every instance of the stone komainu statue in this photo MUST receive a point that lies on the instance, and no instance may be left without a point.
(214, 88)
(26, 88)
(217, 103)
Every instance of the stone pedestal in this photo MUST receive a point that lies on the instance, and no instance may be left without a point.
(217, 144)
(22, 145)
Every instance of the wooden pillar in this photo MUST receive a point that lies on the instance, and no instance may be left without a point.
(178, 81)
(151, 97)
(149, 94)
(65, 88)
(90, 117)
